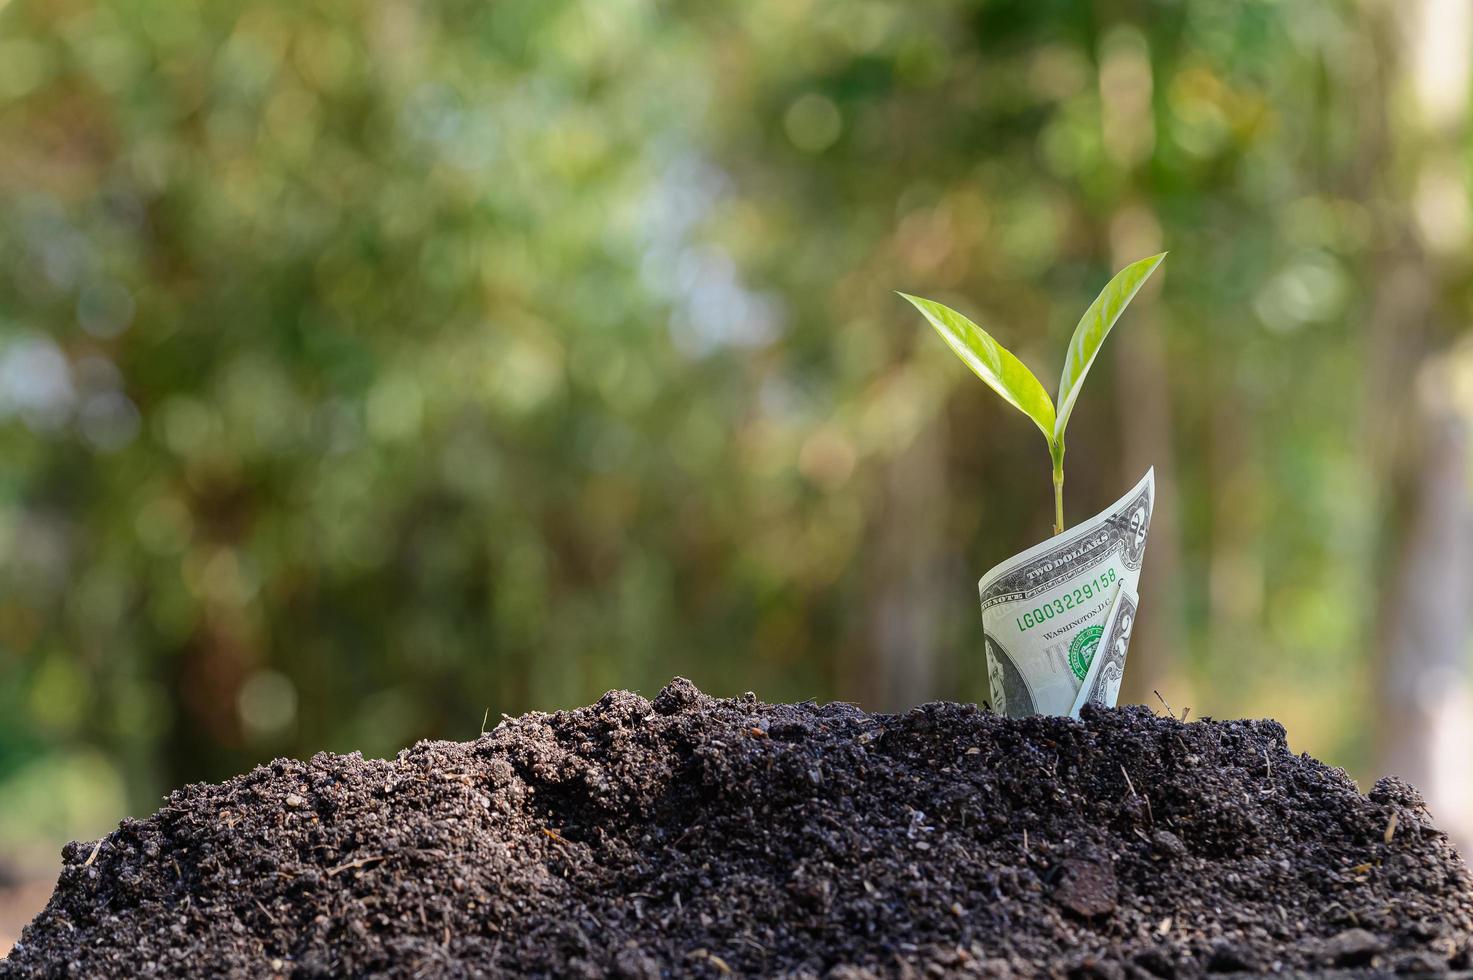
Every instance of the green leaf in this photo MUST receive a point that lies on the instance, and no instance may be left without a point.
(1093, 328)
(992, 362)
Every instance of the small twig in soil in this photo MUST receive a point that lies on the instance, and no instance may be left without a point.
(688, 831)
(1390, 828)
(1170, 712)
(559, 838)
(266, 912)
(485, 718)
(359, 863)
(1149, 813)
(93, 856)
(712, 958)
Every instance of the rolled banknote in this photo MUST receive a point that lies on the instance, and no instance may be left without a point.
(1101, 684)
(1044, 610)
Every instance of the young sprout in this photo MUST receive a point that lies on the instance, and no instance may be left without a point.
(1006, 375)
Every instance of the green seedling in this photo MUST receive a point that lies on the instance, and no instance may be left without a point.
(1010, 378)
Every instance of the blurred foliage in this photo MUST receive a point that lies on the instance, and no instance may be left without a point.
(363, 366)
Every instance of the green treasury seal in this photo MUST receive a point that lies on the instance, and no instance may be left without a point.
(1082, 650)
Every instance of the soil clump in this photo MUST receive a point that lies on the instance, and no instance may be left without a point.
(694, 836)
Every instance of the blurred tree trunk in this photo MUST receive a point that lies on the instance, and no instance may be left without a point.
(1126, 82)
(1145, 441)
(1419, 429)
(1424, 705)
(906, 578)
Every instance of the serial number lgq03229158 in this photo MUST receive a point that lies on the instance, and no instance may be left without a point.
(1098, 586)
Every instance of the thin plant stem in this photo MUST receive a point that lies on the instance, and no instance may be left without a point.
(1058, 501)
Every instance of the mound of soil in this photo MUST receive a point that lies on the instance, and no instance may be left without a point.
(700, 837)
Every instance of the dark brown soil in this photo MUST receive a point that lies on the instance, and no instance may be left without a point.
(700, 837)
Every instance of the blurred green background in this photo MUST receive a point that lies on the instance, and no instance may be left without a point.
(365, 366)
